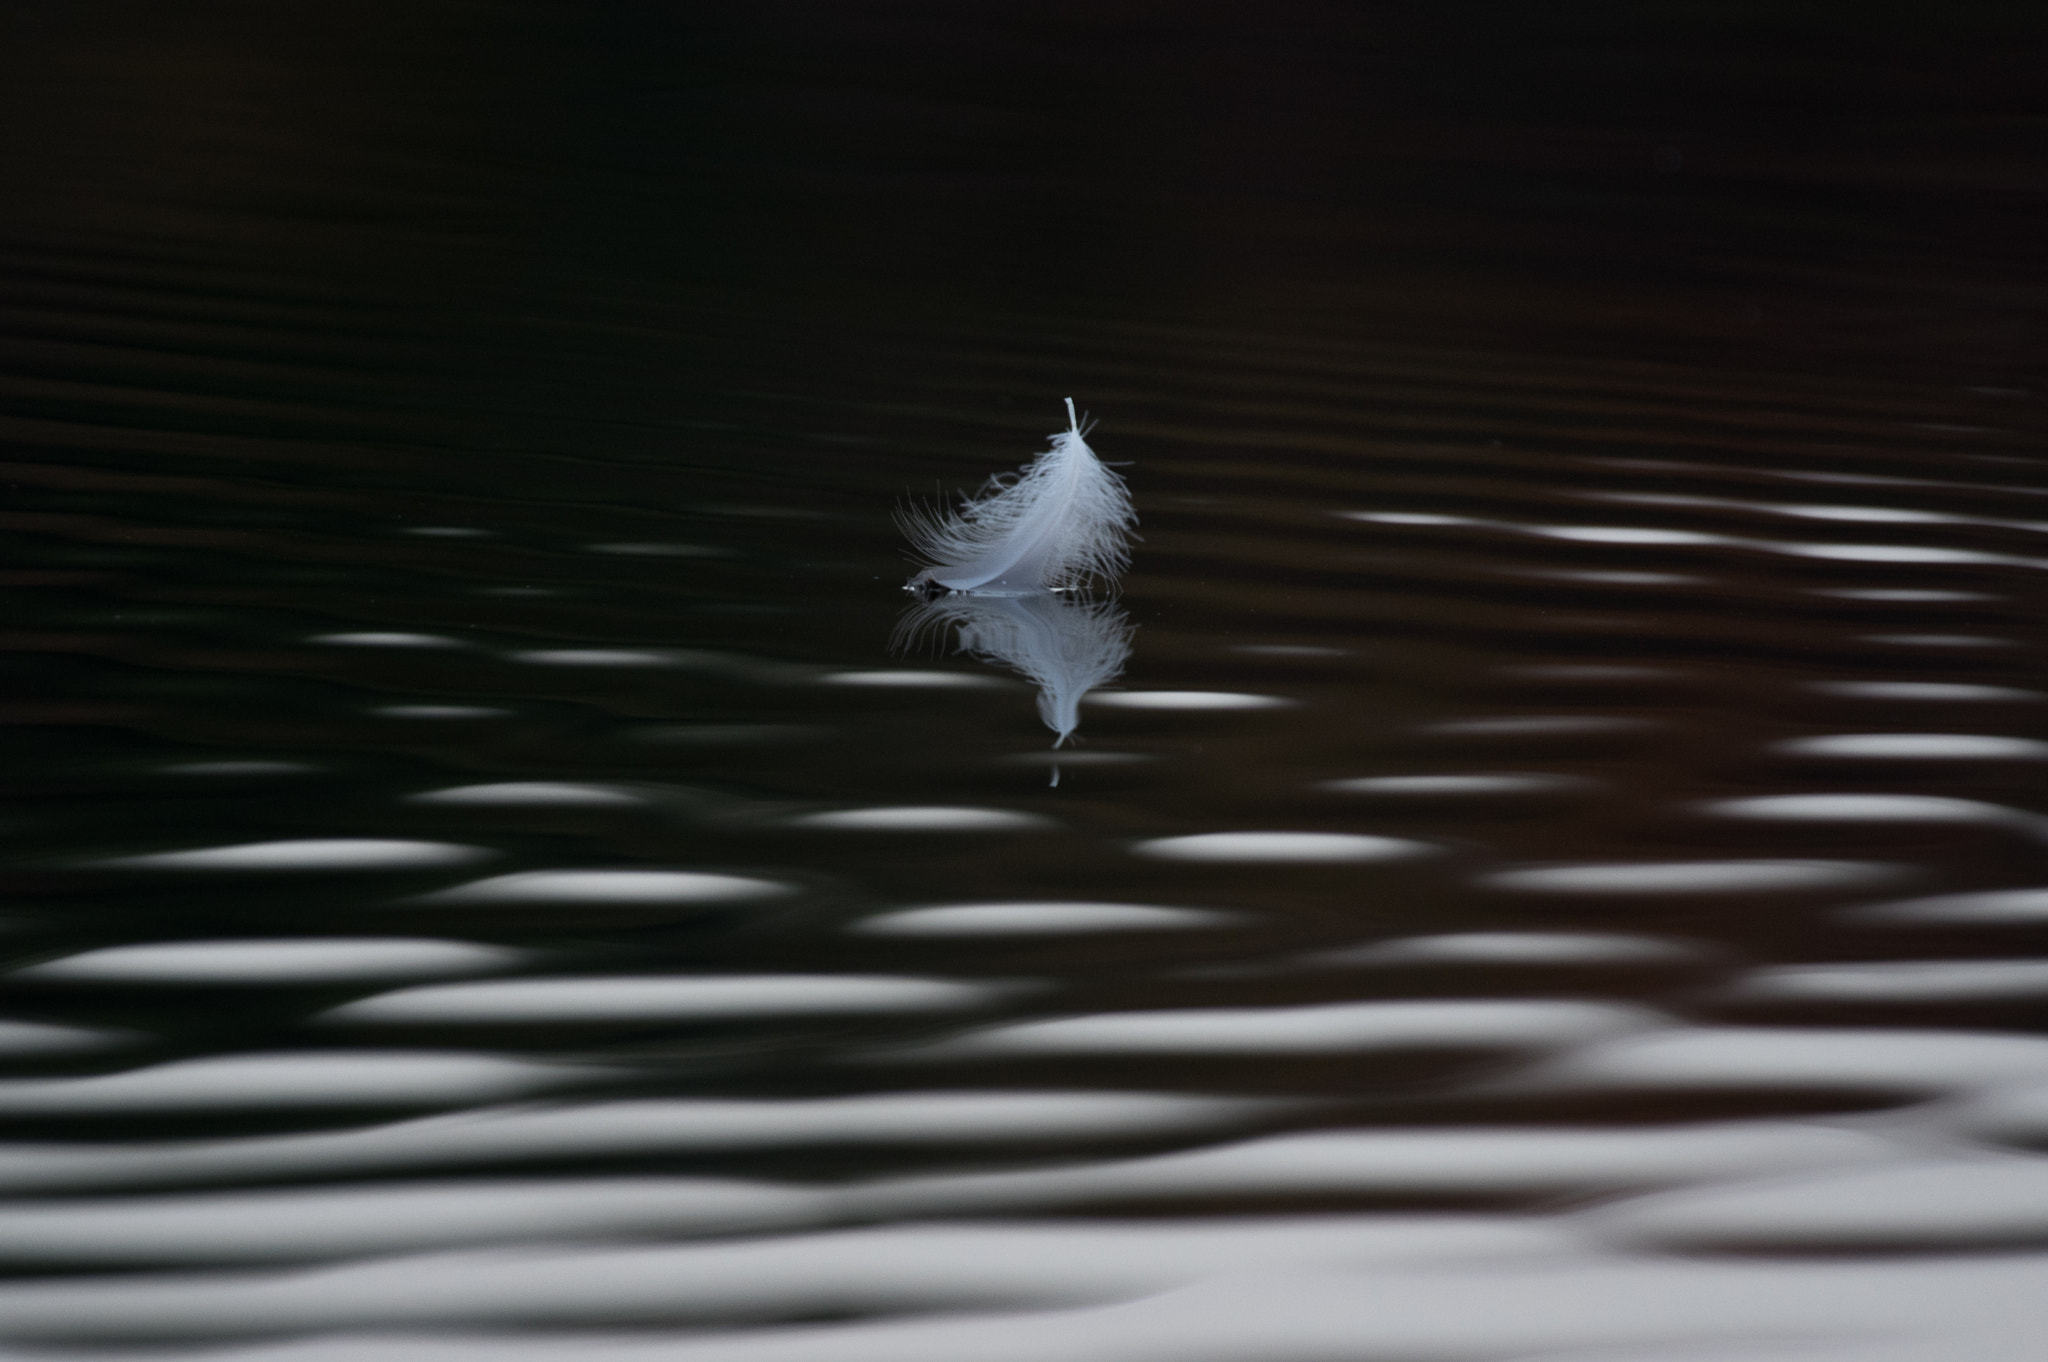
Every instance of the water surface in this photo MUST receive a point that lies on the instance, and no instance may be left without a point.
(1559, 873)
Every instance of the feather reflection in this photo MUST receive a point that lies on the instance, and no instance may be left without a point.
(1064, 645)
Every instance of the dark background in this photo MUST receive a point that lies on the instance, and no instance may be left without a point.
(1579, 175)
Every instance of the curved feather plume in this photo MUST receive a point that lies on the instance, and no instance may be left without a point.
(1063, 518)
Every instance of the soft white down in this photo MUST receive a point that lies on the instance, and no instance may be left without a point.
(1059, 521)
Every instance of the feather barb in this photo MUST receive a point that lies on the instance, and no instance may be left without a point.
(1060, 520)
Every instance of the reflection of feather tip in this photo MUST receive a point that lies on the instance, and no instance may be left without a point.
(1062, 519)
(1066, 646)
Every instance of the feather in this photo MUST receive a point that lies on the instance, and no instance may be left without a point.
(1064, 646)
(1060, 520)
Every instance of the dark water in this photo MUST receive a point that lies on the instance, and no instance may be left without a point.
(1560, 875)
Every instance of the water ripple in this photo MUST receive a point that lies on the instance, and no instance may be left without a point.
(531, 793)
(272, 1226)
(27, 1038)
(264, 1082)
(1040, 919)
(1938, 810)
(1899, 981)
(607, 887)
(923, 818)
(1282, 848)
(440, 712)
(1330, 1028)
(295, 961)
(1450, 1163)
(1688, 877)
(1981, 1202)
(1460, 786)
(661, 1128)
(1192, 701)
(913, 680)
(388, 640)
(1516, 948)
(1916, 747)
(897, 1268)
(1792, 1059)
(1990, 907)
(302, 855)
(1955, 692)
(623, 998)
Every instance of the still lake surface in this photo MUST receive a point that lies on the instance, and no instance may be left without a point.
(499, 869)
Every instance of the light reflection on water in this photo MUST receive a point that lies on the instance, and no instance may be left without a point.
(1471, 953)
(1544, 855)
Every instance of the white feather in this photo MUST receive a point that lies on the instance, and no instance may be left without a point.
(1063, 645)
(1050, 526)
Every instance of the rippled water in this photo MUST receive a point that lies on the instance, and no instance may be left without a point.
(499, 869)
